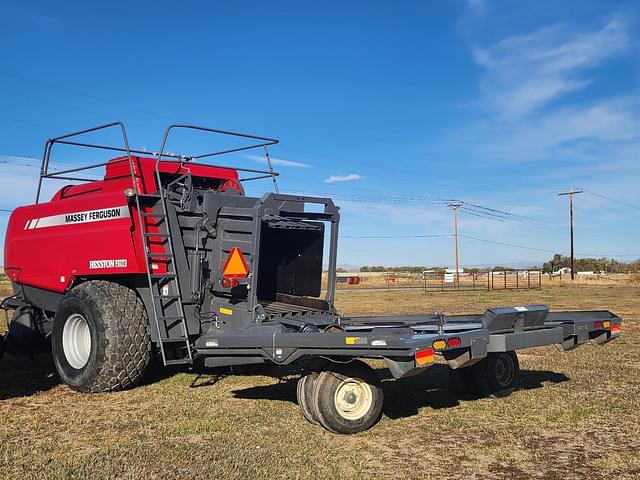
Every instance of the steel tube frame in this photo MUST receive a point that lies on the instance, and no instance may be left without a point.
(59, 175)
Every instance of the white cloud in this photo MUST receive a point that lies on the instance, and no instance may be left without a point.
(343, 178)
(278, 161)
(526, 72)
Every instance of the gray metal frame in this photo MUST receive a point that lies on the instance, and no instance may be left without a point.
(251, 337)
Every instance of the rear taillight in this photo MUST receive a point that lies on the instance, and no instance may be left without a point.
(597, 325)
(454, 342)
(616, 328)
(424, 357)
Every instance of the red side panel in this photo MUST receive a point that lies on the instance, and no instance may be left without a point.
(49, 244)
(90, 229)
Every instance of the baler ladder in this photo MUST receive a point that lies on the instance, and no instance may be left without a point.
(164, 287)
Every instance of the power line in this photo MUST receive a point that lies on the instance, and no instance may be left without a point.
(395, 236)
(613, 200)
(505, 244)
(485, 240)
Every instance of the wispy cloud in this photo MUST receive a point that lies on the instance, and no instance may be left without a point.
(278, 161)
(526, 72)
(529, 110)
(343, 178)
(477, 6)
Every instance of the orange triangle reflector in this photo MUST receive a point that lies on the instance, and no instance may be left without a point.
(235, 266)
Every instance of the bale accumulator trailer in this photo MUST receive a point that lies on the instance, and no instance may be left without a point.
(166, 254)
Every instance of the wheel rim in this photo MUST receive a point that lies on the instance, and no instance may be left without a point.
(353, 399)
(76, 341)
(504, 370)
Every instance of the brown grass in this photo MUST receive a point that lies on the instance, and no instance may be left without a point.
(575, 414)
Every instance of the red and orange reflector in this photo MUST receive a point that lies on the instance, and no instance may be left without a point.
(423, 357)
(235, 267)
(602, 325)
(230, 282)
(441, 344)
(616, 328)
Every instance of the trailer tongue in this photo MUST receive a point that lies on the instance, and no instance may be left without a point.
(167, 254)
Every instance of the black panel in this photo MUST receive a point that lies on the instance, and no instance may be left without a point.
(290, 260)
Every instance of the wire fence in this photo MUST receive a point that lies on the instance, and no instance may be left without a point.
(516, 279)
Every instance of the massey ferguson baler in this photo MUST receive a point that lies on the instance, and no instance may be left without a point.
(165, 254)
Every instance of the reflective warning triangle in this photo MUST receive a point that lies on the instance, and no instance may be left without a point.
(235, 266)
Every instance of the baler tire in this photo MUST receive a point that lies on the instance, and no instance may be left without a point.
(333, 409)
(304, 394)
(120, 344)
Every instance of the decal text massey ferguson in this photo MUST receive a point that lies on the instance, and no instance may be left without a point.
(86, 216)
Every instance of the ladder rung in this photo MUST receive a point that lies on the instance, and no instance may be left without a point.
(171, 318)
(149, 195)
(168, 297)
(167, 275)
(157, 215)
(153, 254)
(157, 234)
(175, 340)
(178, 362)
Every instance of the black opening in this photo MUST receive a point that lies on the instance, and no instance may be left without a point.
(290, 259)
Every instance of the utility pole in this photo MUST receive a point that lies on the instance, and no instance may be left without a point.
(570, 194)
(454, 206)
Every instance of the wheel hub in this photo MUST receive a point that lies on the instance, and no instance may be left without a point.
(353, 399)
(76, 341)
(504, 371)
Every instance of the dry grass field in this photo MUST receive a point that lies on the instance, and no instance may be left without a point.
(575, 414)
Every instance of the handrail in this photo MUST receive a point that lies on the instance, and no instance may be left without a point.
(264, 142)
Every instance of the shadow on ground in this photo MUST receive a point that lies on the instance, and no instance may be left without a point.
(22, 376)
(405, 397)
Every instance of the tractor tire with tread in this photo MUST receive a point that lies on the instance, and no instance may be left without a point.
(118, 352)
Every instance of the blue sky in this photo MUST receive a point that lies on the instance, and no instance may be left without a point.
(389, 107)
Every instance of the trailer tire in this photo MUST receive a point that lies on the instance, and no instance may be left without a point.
(502, 371)
(100, 339)
(347, 398)
(304, 393)
(470, 381)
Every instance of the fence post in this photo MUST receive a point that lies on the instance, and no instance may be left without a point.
(517, 275)
(504, 272)
(488, 285)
